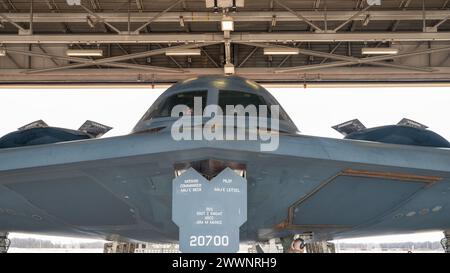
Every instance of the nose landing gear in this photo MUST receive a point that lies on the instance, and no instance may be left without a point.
(298, 245)
(320, 247)
(4, 242)
(305, 243)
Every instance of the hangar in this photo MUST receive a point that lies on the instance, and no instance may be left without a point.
(279, 43)
(271, 41)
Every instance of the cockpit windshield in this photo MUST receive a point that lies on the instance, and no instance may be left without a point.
(245, 99)
(164, 108)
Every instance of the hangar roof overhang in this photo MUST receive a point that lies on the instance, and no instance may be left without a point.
(134, 35)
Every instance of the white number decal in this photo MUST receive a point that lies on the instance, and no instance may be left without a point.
(192, 241)
(208, 240)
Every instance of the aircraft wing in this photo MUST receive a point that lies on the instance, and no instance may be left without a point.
(122, 186)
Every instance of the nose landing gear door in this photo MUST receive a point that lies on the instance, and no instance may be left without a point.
(209, 213)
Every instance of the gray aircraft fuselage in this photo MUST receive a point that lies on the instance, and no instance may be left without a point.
(120, 187)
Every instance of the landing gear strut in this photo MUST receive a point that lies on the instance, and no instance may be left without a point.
(293, 244)
(4, 242)
(119, 247)
(305, 243)
(298, 245)
(320, 247)
(445, 242)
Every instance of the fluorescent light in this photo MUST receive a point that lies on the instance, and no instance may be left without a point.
(280, 51)
(84, 52)
(183, 52)
(227, 23)
(2, 52)
(379, 51)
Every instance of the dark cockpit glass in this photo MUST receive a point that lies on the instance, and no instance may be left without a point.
(164, 108)
(244, 98)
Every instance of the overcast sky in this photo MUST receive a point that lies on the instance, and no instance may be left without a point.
(314, 110)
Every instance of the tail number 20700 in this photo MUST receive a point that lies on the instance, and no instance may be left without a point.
(208, 240)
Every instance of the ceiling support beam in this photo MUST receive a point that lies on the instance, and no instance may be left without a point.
(348, 60)
(345, 63)
(8, 5)
(105, 61)
(51, 5)
(5, 6)
(140, 67)
(100, 19)
(139, 5)
(366, 75)
(11, 59)
(108, 59)
(316, 4)
(209, 58)
(300, 16)
(170, 57)
(370, 60)
(248, 56)
(241, 16)
(90, 58)
(158, 15)
(403, 5)
(217, 37)
(340, 37)
(227, 45)
(125, 52)
(95, 5)
(45, 52)
(9, 20)
(441, 22)
(307, 52)
(351, 18)
(86, 62)
(30, 23)
(288, 56)
(332, 51)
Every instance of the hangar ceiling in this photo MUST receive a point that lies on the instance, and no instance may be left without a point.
(134, 36)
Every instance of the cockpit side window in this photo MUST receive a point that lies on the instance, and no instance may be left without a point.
(164, 108)
(244, 98)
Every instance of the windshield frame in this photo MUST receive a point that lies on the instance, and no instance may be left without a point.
(161, 102)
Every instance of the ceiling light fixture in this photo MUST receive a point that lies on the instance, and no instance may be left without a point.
(379, 51)
(281, 51)
(228, 68)
(227, 23)
(84, 52)
(183, 52)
